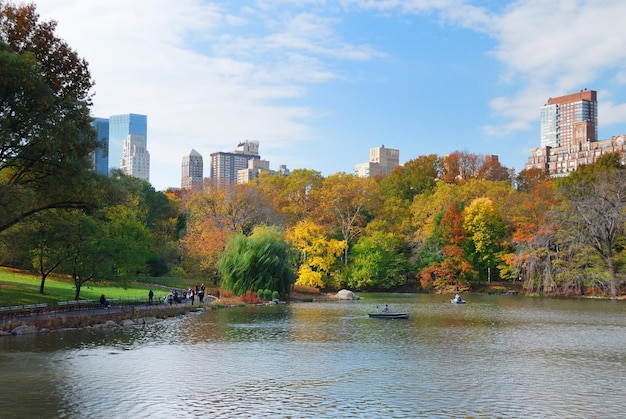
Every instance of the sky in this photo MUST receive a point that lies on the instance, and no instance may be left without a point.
(318, 83)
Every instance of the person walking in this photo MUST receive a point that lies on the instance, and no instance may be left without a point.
(150, 297)
(191, 295)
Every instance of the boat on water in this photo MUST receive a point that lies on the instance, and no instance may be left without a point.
(388, 315)
(457, 300)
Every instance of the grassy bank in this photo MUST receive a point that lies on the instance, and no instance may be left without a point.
(20, 288)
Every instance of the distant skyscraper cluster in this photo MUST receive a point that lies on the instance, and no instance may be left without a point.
(130, 131)
(569, 135)
(238, 166)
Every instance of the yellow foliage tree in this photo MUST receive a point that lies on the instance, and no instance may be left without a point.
(317, 254)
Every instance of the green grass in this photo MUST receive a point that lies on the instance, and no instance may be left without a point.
(17, 288)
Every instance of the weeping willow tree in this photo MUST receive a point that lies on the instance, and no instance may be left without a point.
(258, 261)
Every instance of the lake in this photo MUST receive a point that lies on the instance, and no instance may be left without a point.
(495, 357)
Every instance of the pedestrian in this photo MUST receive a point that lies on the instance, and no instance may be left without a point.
(104, 302)
(150, 297)
(191, 295)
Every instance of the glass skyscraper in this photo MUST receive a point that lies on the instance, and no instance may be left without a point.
(569, 120)
(101, 154)
(120, 127)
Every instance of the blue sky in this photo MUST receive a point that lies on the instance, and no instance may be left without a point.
(318, 83)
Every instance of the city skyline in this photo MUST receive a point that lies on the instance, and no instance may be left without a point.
(316, 81)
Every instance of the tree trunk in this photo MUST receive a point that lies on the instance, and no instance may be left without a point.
(613, 279)
(43, 281)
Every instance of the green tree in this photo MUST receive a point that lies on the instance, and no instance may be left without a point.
(415, 177)
(378, 262)
(260, 261)
(46, 235)
(45, 128)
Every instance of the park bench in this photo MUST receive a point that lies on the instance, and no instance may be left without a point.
(10, 310)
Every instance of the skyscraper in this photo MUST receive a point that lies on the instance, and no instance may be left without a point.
(569, 135)
(135, 159)
(224, 166)
(120, 127)
(192, 170)
(100, 155)
(569, 120)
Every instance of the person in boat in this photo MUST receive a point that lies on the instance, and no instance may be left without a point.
(386, 309)
(457, 298)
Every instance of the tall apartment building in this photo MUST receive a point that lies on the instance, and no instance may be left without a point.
(382, 162)
(120, 127)
(225, 165)
(569, 135)
(570, 119)
(135, 159)
(192, 170)
(100, 156)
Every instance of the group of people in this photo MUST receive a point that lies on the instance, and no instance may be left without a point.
(199, 291)
(173, 298)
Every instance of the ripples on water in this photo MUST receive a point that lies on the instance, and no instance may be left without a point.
(495, 357)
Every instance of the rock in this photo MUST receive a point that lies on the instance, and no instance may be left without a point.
(111, 323)
(24, 330)
(127, 322)
(347, 295)
(4, 333)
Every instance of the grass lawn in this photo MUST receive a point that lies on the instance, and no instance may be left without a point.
(17, 288)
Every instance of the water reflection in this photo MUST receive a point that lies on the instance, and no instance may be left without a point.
(494, 357)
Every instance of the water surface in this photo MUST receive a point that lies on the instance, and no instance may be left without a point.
(509, 357)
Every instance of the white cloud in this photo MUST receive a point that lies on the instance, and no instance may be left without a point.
(558, 47)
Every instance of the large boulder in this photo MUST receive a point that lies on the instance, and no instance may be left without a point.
(347, 295)
(24, 330)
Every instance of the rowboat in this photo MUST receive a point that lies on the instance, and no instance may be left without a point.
(388, 315)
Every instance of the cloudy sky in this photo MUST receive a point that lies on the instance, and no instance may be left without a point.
(319, 82)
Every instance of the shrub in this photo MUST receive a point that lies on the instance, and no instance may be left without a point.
(275, 295)
(267, 294)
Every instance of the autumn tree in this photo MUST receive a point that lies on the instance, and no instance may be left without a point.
(345, 203)
(291, 196)
(317, 255)
(206, 233)
(594, 211)
(461, 166)
(486, 230)
(415, 177)
(450, 240)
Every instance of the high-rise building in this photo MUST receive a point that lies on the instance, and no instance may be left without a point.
(570, 119)
(100, 156)
(192, 170)
(382, 162)
(120, 127)
(225, 165)
(135, 159)
(569, 135)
